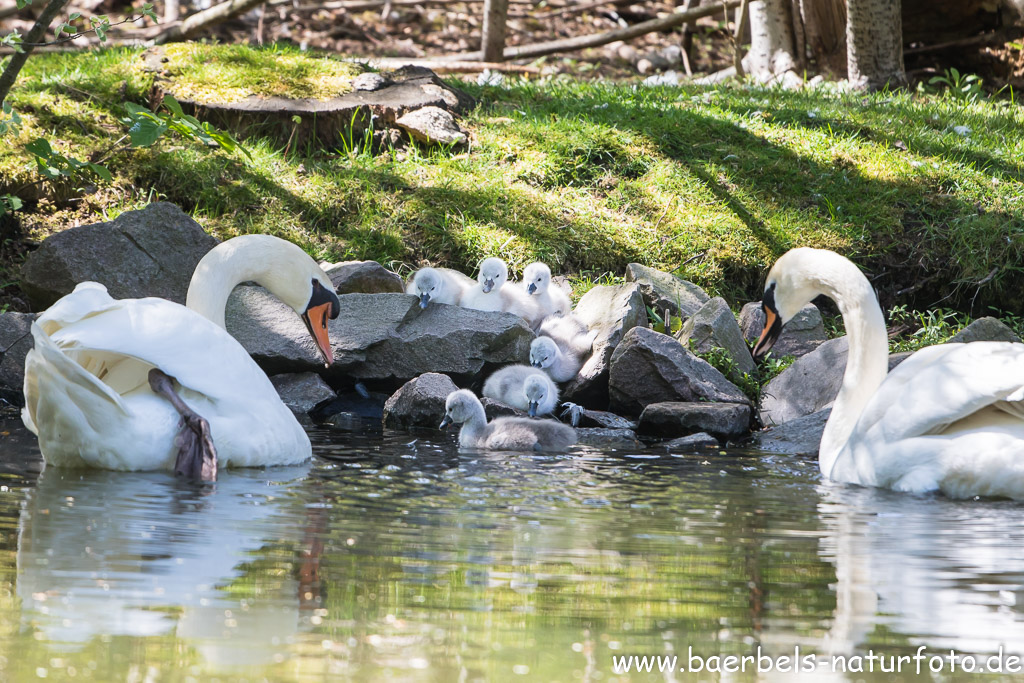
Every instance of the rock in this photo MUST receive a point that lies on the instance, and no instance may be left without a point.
(800, 436)
(604, 420)
(379, 336)
(714, 326)
(494, 409)
(15, 343)
(370, 82)
(628, 54)
(672, 78)
(302, 391)
(810, 384)
(650, 367)
(801, 335)
(656, 59)
(984, 329)
(672, 54)
(806, 386)
(691, 444)
(150, 252)
(644, 66)
(672, 419)
(665, 292)
(599, 437)
(363, 277)
(610, 311)
(432, 125)
(419, 402)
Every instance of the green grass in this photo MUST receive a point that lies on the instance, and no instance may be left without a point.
(709, 183)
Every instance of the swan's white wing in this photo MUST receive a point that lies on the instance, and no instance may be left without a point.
(951, 410)
(200, 355)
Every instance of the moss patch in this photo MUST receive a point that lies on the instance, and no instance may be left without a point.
(230, 73)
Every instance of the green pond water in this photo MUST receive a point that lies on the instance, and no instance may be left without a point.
(397, 558)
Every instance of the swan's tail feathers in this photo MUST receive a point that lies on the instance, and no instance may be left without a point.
(52, 377)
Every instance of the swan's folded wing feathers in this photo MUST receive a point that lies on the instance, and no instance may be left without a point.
(941, 385)
(196, 352)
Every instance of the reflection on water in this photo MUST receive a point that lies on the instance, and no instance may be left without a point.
(393, 559)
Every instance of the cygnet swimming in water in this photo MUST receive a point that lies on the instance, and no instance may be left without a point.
(523, 387)
(550, 299)
(505, 433)
(495, 294)
(440, 285)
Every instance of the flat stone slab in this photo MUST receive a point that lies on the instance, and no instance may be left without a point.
(800, 436)
(694, 443)
(674, 419)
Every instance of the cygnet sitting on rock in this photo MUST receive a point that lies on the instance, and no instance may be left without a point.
(570, 333)
(550, 299)
(505, 433)
(440, 285)
(523, 387)
(495, 294)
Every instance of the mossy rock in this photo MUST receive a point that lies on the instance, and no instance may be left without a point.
(291, 96)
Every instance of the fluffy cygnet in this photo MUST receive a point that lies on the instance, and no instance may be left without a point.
(505, 433)
(440, 285)
(523, 387)
(495, 294)
(550, 300)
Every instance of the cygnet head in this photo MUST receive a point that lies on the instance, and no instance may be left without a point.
(536, 390)
(427, 284)
(537, 277)
(459, 407)
(543, 352)
(493, 274)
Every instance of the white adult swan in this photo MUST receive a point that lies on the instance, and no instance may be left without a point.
(949, 418)
(109, 381)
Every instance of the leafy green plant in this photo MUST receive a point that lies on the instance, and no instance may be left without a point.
(146, 126)
(966, 87)
(932, 327)
(52, 165)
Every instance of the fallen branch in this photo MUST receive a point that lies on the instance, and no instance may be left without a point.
(994, 37)
(598, 39)
(366, 5)
(453, 67)
(582, 8)
(204, 20)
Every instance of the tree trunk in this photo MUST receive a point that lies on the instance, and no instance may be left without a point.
(171, 11)
(772, 56)
(874, 44)
(31, 39)
(824, 25)
(493, 40)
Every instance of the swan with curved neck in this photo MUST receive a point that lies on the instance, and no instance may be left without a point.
(949, 418)
(109, 382)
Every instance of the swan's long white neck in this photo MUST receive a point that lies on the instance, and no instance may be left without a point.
(868, 360)
(278, 265)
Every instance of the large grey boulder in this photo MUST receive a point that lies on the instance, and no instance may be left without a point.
(611, 311)
(810, 383)
(302, 391)
(419, 402)
(800, 436)
(650, 367)
(150, 252)
(665, 292)
(984, 329)
(362, 277)
(379, 336)
(801, 335)
(673, 419)
(714, 327)
(806, 386)
(15, 343)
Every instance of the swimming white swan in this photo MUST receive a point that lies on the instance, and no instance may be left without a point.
(110, 381)
(550, 300)
(493, 293)
(949, 418)
(505, 433)
(523, 387)
(440, 285)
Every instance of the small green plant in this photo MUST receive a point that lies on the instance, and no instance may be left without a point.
(966, 87)
(720, 360)
(52, 165)
(146, 126)
(930, 327)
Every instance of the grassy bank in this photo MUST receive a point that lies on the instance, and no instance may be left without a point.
(711, 184)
